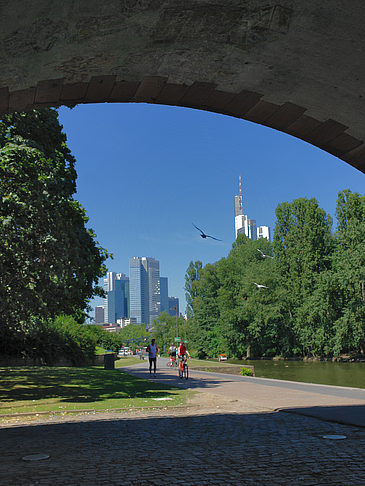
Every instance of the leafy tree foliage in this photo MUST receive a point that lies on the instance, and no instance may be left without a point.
(349, 265)
(314, 300)
(165, 330)
(50, 262)
(50, 342)
(133, 332)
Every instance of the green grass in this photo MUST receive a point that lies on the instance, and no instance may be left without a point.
(201, 363)
(126, 361)
(99, 350)
(48, 389)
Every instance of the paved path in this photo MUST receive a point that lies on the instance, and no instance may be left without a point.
(230, 441)
(340, 404)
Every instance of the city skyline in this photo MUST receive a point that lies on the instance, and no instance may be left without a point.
(147, 172)
(139, 298)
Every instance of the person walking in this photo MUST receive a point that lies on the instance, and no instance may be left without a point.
(152, 350)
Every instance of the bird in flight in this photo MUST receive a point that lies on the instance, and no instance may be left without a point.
(263, 254)
(203, 235)
(259, 286)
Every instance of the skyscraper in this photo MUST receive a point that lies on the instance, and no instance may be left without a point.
(263, 232)
(244, 225)
(173, 306)
(144, 274)
(116, 303)
(99, 314)
(164, 294)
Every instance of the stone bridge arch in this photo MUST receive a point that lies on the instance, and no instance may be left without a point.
(296, 66)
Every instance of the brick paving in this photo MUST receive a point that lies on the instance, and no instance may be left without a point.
(218, 440)
(189, 447)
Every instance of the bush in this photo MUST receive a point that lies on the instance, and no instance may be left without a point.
(47, 342)
(246, 371)
(75, 342)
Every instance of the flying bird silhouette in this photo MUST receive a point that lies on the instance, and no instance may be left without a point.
(203, 235)
(259, 286)
(263, 254)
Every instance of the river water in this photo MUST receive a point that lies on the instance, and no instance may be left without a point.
(321, 372)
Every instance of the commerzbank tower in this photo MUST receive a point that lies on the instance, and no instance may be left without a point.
(242, 224)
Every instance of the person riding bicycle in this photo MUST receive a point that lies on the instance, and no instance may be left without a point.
(183, 354)
(172, 354)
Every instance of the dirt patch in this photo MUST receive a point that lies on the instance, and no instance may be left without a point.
(198, 403)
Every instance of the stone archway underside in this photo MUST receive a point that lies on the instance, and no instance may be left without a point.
(294, 66)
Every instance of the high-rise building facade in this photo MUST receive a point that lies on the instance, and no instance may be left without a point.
(263, 232)
(173, 306)
(116, 303)
(164, 294)
(244, 225)
(144, 289)
(99, 314)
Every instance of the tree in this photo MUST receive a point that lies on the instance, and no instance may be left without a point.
(206, 332)
(134, 332)
(349, 265)
(165, 329)
(302, 246)
(250, 316)
(50, 262)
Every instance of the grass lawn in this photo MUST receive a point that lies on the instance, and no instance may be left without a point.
(216, 366)
(51, 389)
(205, 363)
(126, 361)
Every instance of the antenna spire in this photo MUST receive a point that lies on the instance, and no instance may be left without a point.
(240, 193)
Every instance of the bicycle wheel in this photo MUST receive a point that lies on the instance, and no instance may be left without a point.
(186, 371)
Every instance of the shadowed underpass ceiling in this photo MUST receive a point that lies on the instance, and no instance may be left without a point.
(296, 66)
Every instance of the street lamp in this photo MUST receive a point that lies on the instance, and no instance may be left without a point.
(185, 319)
(177, 323)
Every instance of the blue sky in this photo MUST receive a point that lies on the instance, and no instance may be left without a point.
(147, 172)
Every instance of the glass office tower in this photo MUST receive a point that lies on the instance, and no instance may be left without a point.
(144, 289)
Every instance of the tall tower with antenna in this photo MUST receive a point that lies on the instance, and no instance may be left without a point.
(238, 201)
(240, 184)
(240, 219)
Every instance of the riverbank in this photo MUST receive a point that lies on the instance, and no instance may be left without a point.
(347, 374)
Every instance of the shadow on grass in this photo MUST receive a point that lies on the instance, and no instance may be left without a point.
(78, 385)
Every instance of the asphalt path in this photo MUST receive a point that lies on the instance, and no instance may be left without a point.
(339, 404)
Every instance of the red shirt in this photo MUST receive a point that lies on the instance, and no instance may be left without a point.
(182, 350)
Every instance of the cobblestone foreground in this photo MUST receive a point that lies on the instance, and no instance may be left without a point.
(190, 447)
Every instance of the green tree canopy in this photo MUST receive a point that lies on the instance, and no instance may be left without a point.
(50, 262)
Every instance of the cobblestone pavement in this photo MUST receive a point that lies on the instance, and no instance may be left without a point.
(191, 447)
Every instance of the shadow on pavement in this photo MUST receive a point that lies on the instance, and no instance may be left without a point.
(170, 377)
(342, 414)
(220, 448)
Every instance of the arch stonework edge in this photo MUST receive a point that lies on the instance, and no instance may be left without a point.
(288, 117)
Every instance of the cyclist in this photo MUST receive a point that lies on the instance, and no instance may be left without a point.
(183, 354)
(172, 354)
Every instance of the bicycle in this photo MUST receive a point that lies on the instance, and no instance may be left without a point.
(184, 373)
(173, 364)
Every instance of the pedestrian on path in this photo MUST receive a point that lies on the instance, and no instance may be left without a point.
(152, 350)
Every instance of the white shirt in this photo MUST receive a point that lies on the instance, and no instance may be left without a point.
(152, 350)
